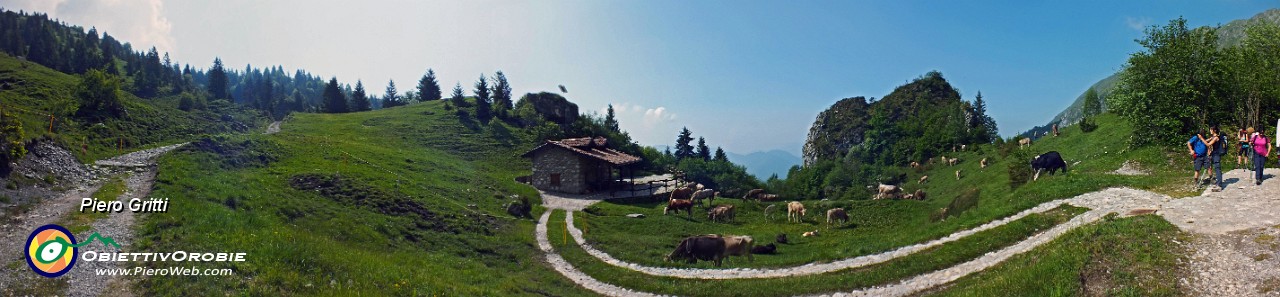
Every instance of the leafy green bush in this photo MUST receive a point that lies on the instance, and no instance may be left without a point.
(1019, 169)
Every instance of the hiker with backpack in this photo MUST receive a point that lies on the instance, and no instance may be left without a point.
(1261, 150)
(1217, 149)
(1199, 156)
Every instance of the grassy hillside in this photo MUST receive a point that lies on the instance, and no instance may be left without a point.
(400, 201)
(881, 225)
(33, 92)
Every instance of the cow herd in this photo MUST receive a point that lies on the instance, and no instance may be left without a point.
(716, 248)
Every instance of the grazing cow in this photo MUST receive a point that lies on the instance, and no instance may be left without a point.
(810, 234)
(752, 194)
(837, 214)
(919, 194)
(957, 174)
(983, 163)
(721, 213)
(1024, 142)
(676, 205)
(944, 160)
(738, 246)
(769, 210)
(681, 194)
(1055, 130)
(767, 197)
(1051, 161)
(781, 238)
(922, 180)
(767, 249)
(953, 161)
(703, 247)
(795, 210)
(908, 196)
(888, 192)
(702, 195)
(915, 165)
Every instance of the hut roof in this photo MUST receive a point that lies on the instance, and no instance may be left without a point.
(595, 148)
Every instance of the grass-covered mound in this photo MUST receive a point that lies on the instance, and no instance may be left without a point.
(399, 201)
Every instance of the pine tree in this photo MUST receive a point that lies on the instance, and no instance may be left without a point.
(501, 94)
(704, 152)
(459, 99)
(683, 147)
(359, 100)
(428, 87)
(721, 156)
(610, 121)
(334, 100)
(392, 97)
(483, 105)
(217, 80)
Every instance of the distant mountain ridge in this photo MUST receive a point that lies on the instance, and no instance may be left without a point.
(766, 163)
(1229, 34)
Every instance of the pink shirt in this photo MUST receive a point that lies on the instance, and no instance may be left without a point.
(1259, 144)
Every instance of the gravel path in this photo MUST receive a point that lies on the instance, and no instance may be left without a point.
(573, 274)
(82, 279)
(807, 269)
(1123, 201)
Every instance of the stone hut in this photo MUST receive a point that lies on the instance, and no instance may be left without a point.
(577, 165)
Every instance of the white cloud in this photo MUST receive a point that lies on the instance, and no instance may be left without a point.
(139, 22)
(1137, 23)
(658, 115)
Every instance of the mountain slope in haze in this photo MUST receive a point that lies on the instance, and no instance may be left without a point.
(1229, 34)
(766, 163)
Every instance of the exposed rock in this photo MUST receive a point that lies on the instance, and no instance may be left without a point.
(836, 130)
(551, 107)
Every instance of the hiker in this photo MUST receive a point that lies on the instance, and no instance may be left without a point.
(1261, 150)
(1245, 154)
(1216, 150)
(1199, 158)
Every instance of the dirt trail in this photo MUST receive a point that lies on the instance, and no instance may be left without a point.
(140, 171)
(1214, 215)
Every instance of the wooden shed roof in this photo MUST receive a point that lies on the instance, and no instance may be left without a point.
(595, 148)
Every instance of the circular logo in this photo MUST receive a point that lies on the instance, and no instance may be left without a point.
(51, 250)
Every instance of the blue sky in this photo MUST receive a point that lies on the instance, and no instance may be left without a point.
(747, 75)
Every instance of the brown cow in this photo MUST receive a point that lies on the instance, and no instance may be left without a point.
(923, 179)
(703, 247)
(810, 234)
(983, 163)
(752, 194)
(795, 210)
(1024, 142)
(837, 214)
(953, 161)
(679, 204)
(915, 165)
(738, 246)
(919, 194)
(721, 213)
(681, 194)
(888, 192)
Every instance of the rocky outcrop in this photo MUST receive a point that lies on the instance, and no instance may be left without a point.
(836, 130)
(549, 106)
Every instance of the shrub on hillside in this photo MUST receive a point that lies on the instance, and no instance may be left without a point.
(11, 134)
(1088, 125)
(1019, 168)
(99, 95)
